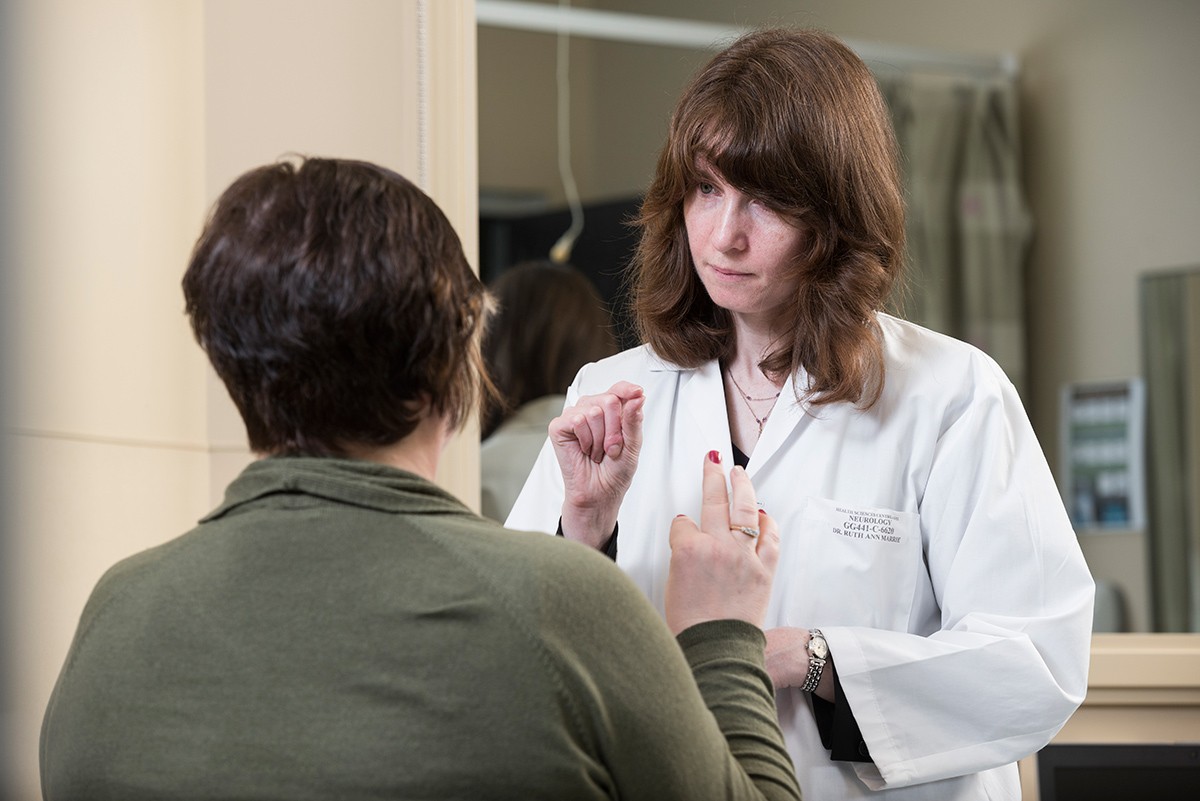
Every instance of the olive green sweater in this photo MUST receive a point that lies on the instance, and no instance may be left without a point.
(344, 630)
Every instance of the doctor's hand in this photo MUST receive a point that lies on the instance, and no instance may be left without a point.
(723, 568)
(597, 442)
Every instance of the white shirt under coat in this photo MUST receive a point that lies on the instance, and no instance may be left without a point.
(925, 537)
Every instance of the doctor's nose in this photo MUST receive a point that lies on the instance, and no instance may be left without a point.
(729, 232)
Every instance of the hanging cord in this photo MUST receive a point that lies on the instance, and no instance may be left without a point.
(561, 252)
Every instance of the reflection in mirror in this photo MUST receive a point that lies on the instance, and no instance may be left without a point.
(1078, 320)
(612, 82)
(1170, 311)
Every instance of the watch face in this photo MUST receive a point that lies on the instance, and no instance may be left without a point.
(818, 648)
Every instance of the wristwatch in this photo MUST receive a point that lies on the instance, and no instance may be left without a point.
(818, 652)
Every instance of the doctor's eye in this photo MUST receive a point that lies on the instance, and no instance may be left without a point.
(706, 188)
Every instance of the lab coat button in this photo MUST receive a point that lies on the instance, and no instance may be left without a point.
(862, 749)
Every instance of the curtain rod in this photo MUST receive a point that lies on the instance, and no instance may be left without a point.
(672, 32)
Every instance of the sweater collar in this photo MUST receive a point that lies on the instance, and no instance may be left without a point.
(347, 481)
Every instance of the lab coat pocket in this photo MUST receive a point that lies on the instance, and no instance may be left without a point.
(860, 565)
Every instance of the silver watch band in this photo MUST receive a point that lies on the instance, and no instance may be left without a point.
(816, 666)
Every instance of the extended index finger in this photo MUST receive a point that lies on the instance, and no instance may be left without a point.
(714, 508)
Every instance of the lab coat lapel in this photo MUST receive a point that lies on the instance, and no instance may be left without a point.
(703, 396)
(789, 413)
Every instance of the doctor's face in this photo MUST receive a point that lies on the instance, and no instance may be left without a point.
(743, 251)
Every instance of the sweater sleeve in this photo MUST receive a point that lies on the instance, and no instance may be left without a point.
(726, 660)
(690, 718)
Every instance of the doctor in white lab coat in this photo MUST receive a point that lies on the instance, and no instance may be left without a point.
(931, 616)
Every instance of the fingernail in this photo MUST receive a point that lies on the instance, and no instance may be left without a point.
(714, 457)
(762, 512)
(681, 514)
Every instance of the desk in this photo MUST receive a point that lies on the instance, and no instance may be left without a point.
(1141, 688)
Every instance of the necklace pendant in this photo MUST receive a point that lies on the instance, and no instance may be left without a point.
(747, 399)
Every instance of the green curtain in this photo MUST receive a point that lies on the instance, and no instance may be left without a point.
(969, 227)
(1170, 311)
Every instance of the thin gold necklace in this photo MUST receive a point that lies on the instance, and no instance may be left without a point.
(762, 421)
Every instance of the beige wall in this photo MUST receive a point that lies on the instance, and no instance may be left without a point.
(106, 444)
(129, 117)
(620, 96)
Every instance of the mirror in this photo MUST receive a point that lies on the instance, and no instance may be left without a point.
(1170, 312)
(1110, 186)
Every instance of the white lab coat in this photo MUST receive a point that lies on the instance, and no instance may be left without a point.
(924, 537)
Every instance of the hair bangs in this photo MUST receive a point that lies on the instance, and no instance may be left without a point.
(749, 146)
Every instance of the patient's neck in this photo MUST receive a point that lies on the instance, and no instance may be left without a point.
(418, 453)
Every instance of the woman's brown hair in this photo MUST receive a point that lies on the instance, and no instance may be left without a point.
(794, 119)
(333, 299)
(549, 322)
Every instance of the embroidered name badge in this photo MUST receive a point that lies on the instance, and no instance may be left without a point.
(867, 525)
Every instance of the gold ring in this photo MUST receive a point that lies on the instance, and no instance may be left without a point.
(749, 531)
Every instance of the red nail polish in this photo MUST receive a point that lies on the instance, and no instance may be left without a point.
(714, 457)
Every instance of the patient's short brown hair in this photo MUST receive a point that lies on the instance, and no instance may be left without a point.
(335, 302)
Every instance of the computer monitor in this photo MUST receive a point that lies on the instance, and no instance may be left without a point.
(1119, 772)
